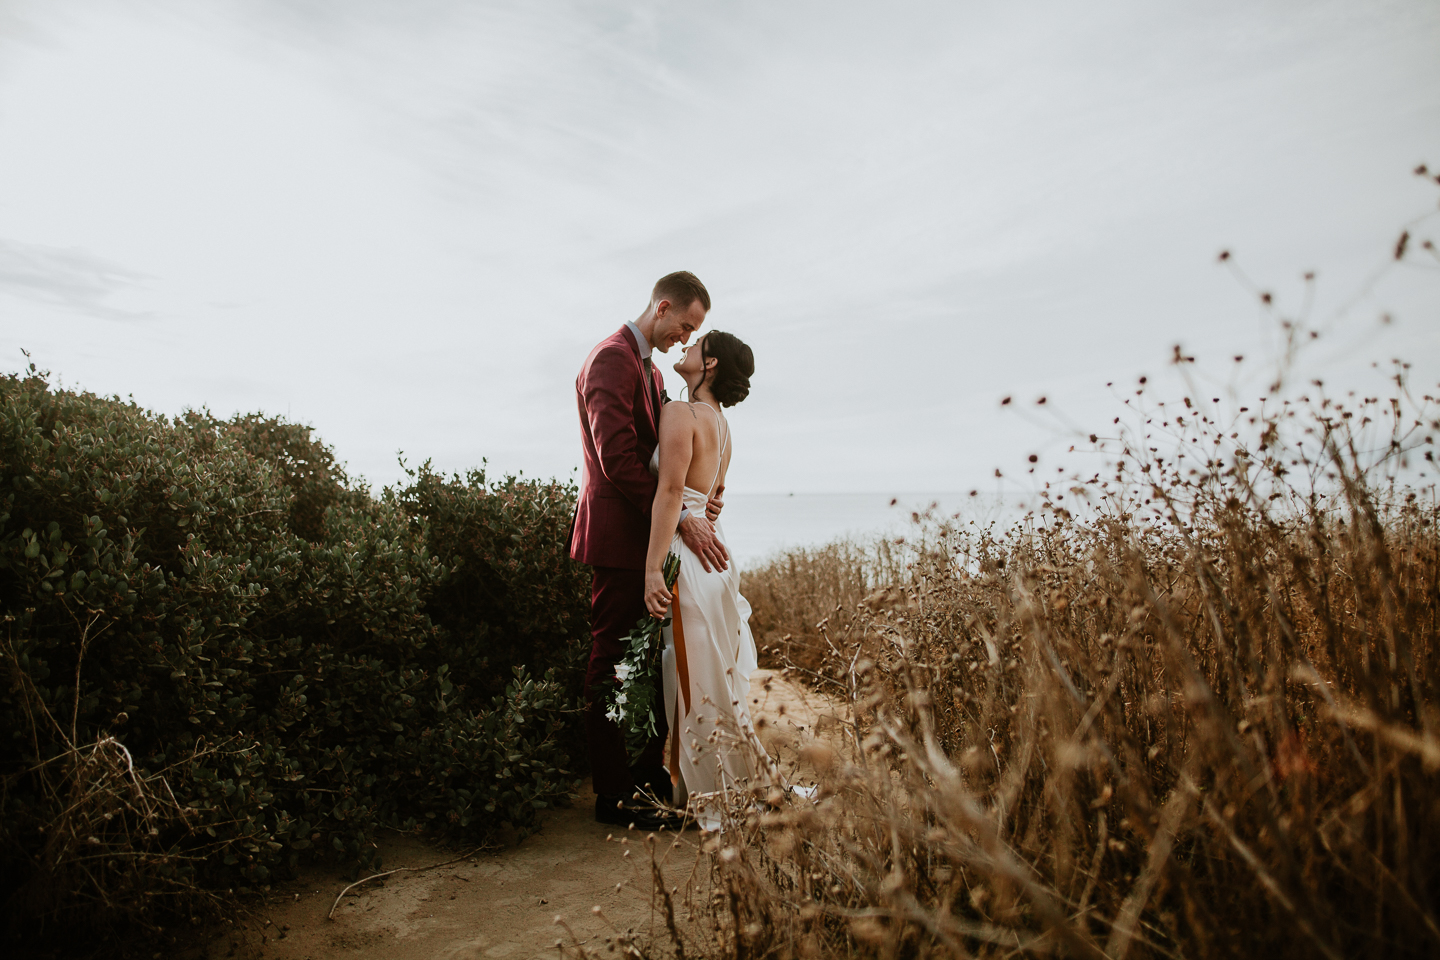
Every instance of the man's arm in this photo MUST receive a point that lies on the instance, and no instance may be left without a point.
(609, 391)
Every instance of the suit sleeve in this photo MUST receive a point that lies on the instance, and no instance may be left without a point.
(609, 391)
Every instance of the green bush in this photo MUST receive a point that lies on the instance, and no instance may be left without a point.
(513, 596)
(220, 657)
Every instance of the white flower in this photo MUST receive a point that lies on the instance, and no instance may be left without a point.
(623, 670)
(619, 699)
(615, 714)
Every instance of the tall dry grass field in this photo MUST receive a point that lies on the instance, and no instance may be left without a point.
(1120, 738)
(1187, 709)
(803, 599)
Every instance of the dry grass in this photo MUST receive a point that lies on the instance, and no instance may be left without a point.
(121, 851)
(803, 597)
(1186, 709)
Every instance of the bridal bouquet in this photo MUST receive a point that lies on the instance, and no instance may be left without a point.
(637, 694)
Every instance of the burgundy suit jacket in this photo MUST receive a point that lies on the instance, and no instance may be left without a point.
(619, 430)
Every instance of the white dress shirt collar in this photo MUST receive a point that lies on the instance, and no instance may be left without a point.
(640, 341)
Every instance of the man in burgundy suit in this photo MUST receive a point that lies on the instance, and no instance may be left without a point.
(620, 393)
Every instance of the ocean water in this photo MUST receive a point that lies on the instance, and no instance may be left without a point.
(758, 525)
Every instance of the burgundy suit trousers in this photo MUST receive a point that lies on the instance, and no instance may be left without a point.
(617, 601)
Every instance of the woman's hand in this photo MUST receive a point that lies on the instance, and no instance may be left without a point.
(657, 598)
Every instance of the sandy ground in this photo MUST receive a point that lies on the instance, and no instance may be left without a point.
(505, 903)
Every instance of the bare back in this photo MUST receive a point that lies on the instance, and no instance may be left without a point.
(709, 439)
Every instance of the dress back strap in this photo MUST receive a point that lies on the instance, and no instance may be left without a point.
(724, 443)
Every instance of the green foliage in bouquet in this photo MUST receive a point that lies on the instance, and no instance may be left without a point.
(219, 659)
(638, 687)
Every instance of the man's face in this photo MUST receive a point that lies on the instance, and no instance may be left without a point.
(674, 326)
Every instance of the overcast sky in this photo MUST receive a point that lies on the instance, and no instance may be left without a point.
(405, 223)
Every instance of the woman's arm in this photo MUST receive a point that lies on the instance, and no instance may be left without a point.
(677, 446)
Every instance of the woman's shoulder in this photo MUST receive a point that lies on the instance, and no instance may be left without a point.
(688, 412)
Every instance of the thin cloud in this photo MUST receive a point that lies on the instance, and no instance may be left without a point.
(67, 277)
(408, 222)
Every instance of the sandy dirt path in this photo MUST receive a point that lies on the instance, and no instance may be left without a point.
(504, 904)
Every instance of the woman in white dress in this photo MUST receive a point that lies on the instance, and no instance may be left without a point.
(709, 652)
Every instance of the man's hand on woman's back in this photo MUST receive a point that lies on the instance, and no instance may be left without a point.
(700, 537)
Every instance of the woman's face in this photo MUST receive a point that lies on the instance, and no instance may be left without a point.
(692, 363)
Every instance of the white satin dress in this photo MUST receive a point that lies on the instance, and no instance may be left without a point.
(717, 748)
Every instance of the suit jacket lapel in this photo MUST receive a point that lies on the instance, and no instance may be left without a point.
(652, 393)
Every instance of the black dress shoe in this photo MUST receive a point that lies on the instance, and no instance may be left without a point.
(654, 791)
(651, 779)
(638, 816)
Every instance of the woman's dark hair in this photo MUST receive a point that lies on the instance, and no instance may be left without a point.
(731, 380)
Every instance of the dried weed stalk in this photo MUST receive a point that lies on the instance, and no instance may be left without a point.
(118, 850)
(1188, 708)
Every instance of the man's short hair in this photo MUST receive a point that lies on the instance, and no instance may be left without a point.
(681, 288)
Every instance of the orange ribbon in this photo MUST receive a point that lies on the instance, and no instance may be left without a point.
(682, 680)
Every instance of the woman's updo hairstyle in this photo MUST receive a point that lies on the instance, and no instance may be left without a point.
(731, 380)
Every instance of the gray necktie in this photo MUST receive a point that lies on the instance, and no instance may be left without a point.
(650, 385)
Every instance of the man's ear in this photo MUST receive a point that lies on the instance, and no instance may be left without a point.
(662, 308)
